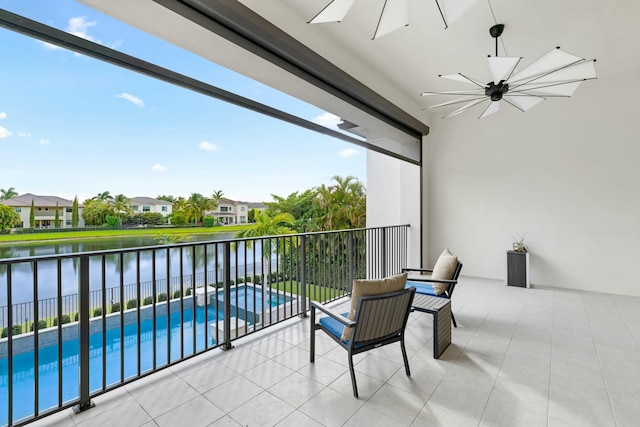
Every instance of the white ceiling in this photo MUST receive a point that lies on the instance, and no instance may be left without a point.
(406, 62)
(410, 58)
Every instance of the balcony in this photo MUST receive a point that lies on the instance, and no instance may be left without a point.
(539, 356)
(519, 357)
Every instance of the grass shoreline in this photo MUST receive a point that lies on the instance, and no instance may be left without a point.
(56, 236)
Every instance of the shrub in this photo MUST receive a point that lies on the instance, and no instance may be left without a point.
(208, 221)
(257, 279)
(147, 300)
(97, 312)
(132, 303)
(162, 297)
(63, 319)
(177, 294)
(240, 280)
(115, 307)
(232, 282)
(75, 317)
(188, 292)
(42, 324)
(15, 330)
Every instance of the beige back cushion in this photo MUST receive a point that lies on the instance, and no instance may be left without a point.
(362, 288)
(443, 270)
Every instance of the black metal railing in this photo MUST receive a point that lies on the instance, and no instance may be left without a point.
(149, 308)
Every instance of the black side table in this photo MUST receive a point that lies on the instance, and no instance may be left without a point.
(518, 269)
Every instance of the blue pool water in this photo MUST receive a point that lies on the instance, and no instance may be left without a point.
(23, 374)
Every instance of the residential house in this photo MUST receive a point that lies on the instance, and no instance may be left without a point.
(149, 204)
(45, 210)
(234, 212)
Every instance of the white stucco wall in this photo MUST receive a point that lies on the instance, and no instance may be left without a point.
(566, 173)
(393, 198)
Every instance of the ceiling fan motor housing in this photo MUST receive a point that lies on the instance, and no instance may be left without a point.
(495, 91)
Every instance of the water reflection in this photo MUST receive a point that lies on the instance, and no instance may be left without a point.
(130, 268)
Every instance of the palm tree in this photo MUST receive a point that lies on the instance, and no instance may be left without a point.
(196, 205)
(7, 194)
(121, 205)
(104, 196)
(268, 225)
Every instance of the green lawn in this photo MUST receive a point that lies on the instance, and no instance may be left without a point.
(316, 292)
(96, 234)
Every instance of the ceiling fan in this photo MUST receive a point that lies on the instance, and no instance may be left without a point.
(556, 74)
(394, 15)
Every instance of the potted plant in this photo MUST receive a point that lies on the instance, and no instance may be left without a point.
(518, 263)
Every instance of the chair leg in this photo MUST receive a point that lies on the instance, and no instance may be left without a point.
(353, 377)
(453, 319)
(404, 356)
(312, 350)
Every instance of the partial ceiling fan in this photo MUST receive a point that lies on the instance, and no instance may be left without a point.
(394, 15)
(556, 74)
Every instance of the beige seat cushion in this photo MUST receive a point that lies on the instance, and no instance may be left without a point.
(362, 288)
(443, 270)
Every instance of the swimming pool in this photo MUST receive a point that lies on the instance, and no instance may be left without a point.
(48, 368)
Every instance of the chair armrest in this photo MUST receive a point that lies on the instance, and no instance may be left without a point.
(450, 282)
(422, 270)
(333, 314)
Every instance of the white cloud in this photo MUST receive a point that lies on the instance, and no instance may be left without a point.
(327, 120)
(349, 152)
(208, 146)
(4, 133)
(158, 167)
(24, 135)
(78, 26)
(44, 142)
(3, 115)
(133, 99)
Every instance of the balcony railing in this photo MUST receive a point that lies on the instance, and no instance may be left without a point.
(149, 308)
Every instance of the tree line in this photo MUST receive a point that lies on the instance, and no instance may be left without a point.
(339, 205)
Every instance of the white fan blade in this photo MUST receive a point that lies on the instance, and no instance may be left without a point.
(454, 9)
(563, 89)
(523, 103)
(464, 108)
(395, 14)
(502, 67)
(468, 92)
(576, 72)
(333, 12)
(493, 107)
(459, 77)
(554, 60)
(457, 101)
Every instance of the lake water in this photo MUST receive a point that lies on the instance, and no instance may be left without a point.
(22, 275)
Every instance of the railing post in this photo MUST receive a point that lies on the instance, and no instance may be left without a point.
(303, 275)
(226, 260)
(384, 252)
(83, 336)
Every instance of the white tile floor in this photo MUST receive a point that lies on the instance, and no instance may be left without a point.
(519, 357)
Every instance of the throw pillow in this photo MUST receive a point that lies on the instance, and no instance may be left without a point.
(362, 288)
(443, 270)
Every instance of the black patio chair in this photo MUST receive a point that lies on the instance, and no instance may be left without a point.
(379, 320)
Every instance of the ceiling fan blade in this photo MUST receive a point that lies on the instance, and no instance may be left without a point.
(459, 77)
(523, 103)
(493, 107)
(457, 101)
(552, 61)
(451, 10)
(465, 108)
(333, 12)
(468, 92)
(561, 89)
(395, 14)
(502, 67)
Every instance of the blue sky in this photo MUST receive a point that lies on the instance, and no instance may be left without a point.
(72, 125)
